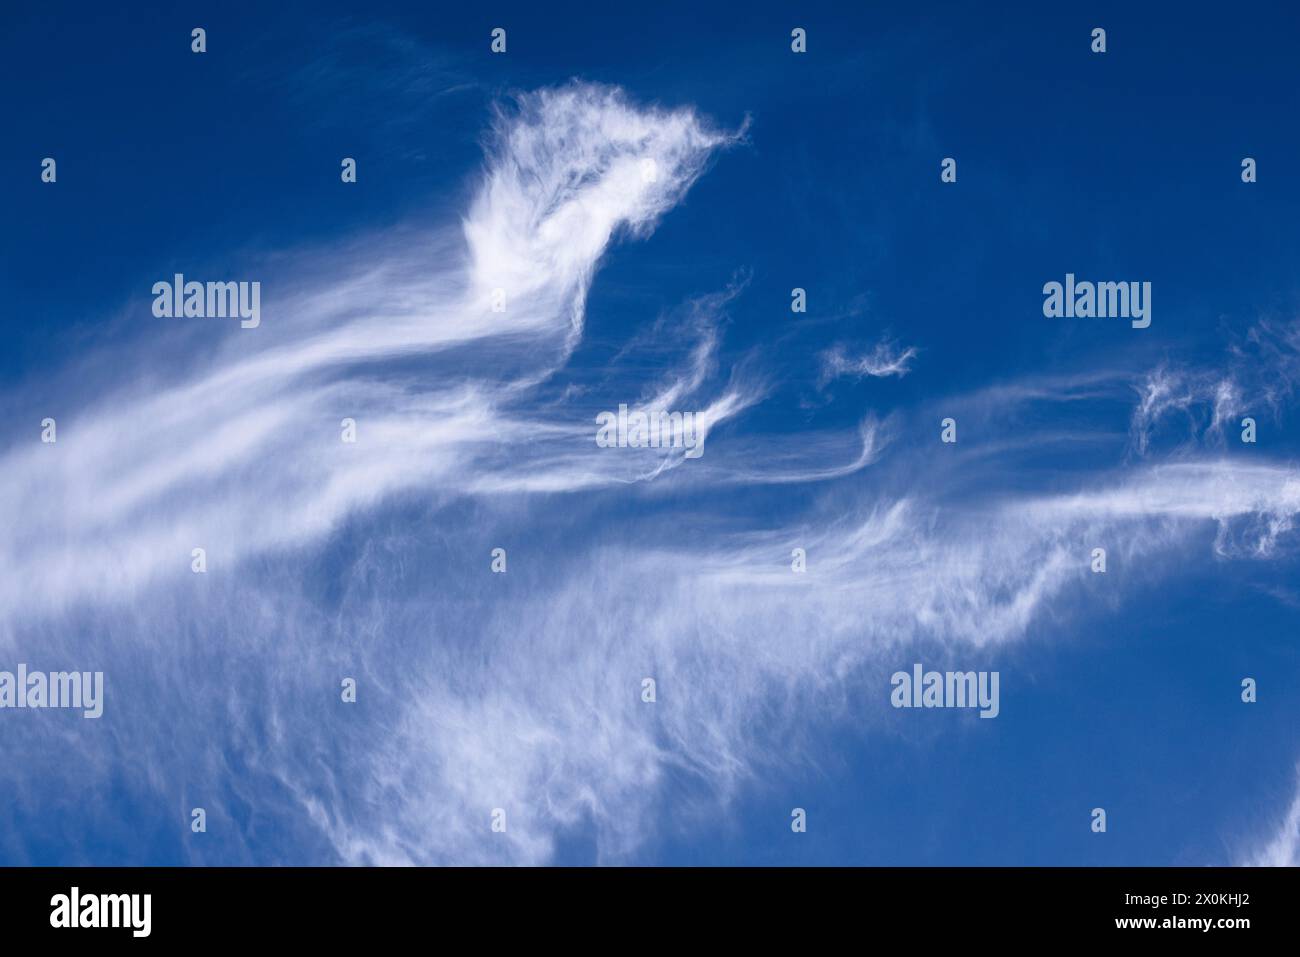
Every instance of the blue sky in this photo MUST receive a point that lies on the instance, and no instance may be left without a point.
(476, 430)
